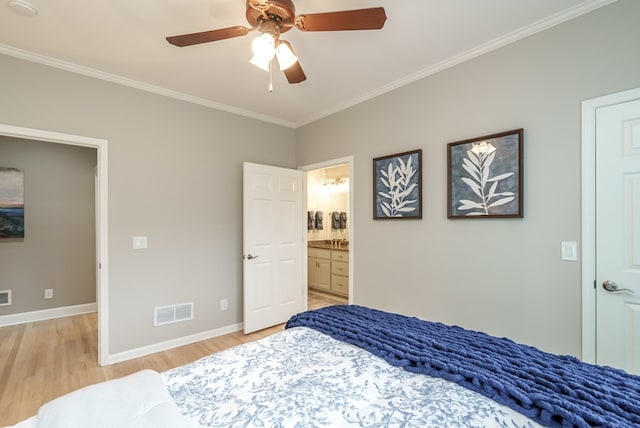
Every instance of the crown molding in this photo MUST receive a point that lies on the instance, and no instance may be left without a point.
(87, 71)
(482, 49)
(497, 43)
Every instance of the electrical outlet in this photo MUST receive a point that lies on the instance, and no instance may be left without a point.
(224, 305)
(48, 293)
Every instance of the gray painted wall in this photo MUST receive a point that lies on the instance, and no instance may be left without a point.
(58, 250)
(501, 276)
(175, 175)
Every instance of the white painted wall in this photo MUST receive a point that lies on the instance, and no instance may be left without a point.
(501, 276)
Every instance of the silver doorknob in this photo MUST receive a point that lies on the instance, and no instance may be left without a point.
(251, 257)
(613, 287)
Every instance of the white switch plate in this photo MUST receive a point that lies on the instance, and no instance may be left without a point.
(139, 242)
(569, 251)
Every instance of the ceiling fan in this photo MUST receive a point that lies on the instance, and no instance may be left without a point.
(274, 17)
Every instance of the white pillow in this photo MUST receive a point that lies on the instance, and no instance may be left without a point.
(140, 400)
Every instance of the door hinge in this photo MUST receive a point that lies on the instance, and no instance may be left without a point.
(594, 284)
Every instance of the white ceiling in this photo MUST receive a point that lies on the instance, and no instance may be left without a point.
(124, 41)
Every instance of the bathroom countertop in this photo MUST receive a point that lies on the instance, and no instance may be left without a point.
(327, 245)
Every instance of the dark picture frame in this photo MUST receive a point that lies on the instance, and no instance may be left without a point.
(484, 176)
(397, 186)
(11, 203)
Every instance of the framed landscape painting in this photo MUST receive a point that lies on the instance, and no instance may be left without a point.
(485, 176)
(11, 203)
(397, 186)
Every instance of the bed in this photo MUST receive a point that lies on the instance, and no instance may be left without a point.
(348, 365)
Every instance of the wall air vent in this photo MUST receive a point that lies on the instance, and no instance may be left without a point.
(173, 313)
(5, 297)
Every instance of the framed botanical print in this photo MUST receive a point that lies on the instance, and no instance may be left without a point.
(485, 176)
(397, 186)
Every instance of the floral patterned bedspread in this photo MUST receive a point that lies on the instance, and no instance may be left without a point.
(303, 378)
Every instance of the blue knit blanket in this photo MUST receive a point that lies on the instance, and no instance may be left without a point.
(553, 390)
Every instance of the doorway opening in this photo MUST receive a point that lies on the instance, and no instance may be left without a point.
(101, 211)
(329, 238)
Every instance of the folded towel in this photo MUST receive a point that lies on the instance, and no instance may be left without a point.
(311, 220)
(335, 220)
(343, 220)
(319, 224)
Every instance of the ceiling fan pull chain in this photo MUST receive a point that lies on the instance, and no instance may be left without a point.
(270, 76)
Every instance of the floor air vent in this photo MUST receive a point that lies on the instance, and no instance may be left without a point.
(174, 313)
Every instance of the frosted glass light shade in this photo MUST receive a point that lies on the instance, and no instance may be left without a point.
(286, 57)
(260, 62)
(264, 50)
(264, 45)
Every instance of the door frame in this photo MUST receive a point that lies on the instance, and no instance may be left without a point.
(321, 165)
(102, 223)
(589, 108)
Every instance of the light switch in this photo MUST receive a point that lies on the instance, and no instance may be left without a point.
(139, 242)
(569, 251)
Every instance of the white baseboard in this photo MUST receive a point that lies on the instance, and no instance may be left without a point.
(47, 314)
(170, 344)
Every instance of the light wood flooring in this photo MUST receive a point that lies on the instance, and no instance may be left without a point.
(40, 361)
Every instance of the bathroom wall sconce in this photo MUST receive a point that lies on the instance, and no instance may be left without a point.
(337, 185)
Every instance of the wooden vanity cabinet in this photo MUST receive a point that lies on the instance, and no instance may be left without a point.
(319, 268)
(340, 272)
(328, 270)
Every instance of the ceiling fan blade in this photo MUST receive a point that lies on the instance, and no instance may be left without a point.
(294, 74)
(359, 19)
(208, 36)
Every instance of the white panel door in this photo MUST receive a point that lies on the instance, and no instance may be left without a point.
(273, 238)
(618, 236)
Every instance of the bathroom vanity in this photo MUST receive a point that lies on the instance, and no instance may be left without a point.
(328, 266)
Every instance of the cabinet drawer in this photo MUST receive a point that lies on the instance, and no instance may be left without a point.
(318, 253)
(340, 268)
(341, 256)
(340, 284)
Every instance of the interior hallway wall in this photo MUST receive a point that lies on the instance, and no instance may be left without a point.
(58, 250)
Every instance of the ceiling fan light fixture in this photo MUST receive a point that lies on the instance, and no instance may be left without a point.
(261, 62)
(264, 50)
(285, 55)
(264, 46)
(274, 17)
